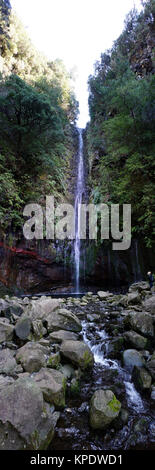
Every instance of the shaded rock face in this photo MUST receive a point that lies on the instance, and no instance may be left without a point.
(17, 430)
(38, 266)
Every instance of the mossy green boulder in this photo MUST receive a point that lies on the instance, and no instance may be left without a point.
(104, 408)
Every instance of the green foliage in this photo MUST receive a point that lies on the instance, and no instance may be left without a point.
(120, 137)
(38, 110)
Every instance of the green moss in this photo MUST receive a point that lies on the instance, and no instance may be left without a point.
(87, 360)
(75, 387)
(35, 439)
(114, 404)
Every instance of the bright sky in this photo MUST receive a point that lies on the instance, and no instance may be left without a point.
(76, 32)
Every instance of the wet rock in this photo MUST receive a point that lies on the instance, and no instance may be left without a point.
(141, 378)
(26, 422)
(62, 335)
(135, 339)
(114, 347)
(149, 305)
(132, 358)
(23, 328)
(153, 395)
(124, 416)
(142, 322)
(32, 356)
(93, 318)
(104, 408)
(63, 319)
(78, 353)
(52, 384)
(6, 332)
(8, 364)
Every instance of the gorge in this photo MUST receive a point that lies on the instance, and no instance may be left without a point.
(77, 318)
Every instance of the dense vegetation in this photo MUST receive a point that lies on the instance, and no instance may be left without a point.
(38, 110)
(120, 136)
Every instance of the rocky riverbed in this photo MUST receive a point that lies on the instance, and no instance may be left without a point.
(78, 373)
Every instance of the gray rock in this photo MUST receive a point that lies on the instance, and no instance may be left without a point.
(142, 322)
(23, 328)
(78, 353)
(141, 286)
(149, 305)
(54, 361)
(6, 332)
(133, 298)
(41, 308)
(151, 367)
(26, 422)
(52, 384)
(32, 356)
(67, 370)
(62, 335)
(103, 295)
(4, 381)
(141, 378)
(104, 408)
(38, 329)
(63, 319)
(136, 340)
(8, 364)
(132, 358)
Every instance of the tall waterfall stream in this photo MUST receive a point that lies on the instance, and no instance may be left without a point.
(80, 190)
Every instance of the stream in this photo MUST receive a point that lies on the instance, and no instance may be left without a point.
(135, 428)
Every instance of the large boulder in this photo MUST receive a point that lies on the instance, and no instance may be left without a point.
(136, 340)
(141, 286)
(104, 408)
(32, 356)
(63, 319)
(149, 305)
(8, 364)
(6, 332)
(23, 328)
(41, 308)
(103, 295)
(62, 335)
(132, 358)
(26, 422)
(133, 298)
(142, 322)
(78, 353)
(52, 384)
(141, 378)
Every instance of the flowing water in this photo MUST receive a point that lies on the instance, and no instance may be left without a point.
(80, 190)
(134, 431)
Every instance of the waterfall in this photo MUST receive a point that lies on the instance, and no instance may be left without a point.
(80, 190)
